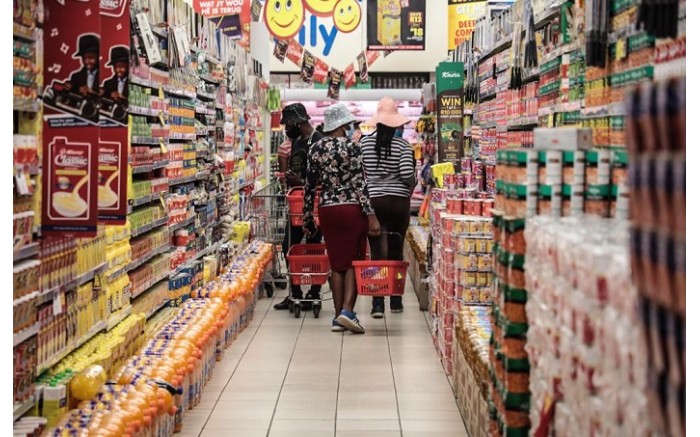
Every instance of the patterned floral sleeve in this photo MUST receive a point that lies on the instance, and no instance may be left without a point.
(359, 184)
(312, 174)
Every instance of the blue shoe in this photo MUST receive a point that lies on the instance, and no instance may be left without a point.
(349, 320)
(337, 327)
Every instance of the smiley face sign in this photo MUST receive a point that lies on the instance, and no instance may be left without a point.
(284, 18)
(347, 15)
(321, 8)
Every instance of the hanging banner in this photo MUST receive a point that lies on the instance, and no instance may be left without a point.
(450, 111)
(372, 57)
(280, 50)
(320, 71)
(232, 16)
(230, 25)
(113, 158)
(72, 97)
(295, 53)
(349, 76)
(462, 17)
(396, 24)
(255, 10)
(334, 84)
(308, 67)
(364, 68)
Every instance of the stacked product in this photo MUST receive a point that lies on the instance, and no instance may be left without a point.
(462, 266)
(587, 347)
(510, 366)
(172, 368)
(657, 145)
(415, 253)
(473, 331)
(562, 177)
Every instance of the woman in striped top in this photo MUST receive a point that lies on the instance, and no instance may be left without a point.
(391, 177)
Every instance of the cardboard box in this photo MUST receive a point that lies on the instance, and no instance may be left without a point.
(563, 138)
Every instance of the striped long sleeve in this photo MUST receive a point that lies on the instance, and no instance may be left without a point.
(393, 175)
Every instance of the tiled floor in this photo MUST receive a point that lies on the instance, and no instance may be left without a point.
(294, 377)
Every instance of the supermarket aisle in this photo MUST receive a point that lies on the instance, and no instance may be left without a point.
(294, 377)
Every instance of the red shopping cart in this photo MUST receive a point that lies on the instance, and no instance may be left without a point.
(308, 265)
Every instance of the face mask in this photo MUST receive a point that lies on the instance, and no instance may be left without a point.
(293, 132)
(349, 132)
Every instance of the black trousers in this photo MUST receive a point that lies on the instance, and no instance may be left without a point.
(295, 235)
(394, 215)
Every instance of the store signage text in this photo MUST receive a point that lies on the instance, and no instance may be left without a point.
(327, 33)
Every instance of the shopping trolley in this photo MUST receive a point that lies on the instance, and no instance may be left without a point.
(307, 263)
(267, 212)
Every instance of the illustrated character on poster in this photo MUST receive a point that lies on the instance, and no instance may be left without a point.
(115, 90)
(284, 18)
(347, 15)
(79, 94)
(321, 8)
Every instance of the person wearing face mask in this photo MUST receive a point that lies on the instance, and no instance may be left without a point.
(344, 210)
(391, 177)
(294, 163)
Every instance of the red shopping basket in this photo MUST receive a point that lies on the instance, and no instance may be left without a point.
(295, 199)
(308, 264)
(380, 278)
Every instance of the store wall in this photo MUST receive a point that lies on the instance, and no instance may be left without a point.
(340, 51)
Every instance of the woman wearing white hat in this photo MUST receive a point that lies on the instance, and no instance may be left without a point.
(391, 177)
(345, 211)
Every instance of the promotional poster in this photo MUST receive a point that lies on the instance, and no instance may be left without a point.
(69, 188)
(72, 97)
(113, 157)
(462, 18)
(396, 24)
(450, 111)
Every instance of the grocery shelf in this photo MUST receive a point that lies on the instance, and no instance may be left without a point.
(149, 168)
(180, 136)
(182, 180)
(26, 252)
(22, 409)
(22, 336)
(157, 308)
(137, 262)
(117, 318)
(150, 141)
(179, 92)
(147, 111)
(90, 275)
(177, 270)
(155, 281)
(70, 347)
(23, 32)
(145, 199)
(205, 95)
(148, 227)
(182, 224)
(210, 79)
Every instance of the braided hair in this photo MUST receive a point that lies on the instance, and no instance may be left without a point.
(385, 134)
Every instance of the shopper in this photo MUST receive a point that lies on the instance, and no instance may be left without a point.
(302, 135)
(345, 211)
(391, 178)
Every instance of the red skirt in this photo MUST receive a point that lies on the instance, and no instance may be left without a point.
(344, 229)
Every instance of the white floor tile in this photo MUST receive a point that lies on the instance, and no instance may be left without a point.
(295, 377)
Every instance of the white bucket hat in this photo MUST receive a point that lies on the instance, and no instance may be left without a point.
(336, 116)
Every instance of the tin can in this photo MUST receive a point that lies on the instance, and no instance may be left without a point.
(476, 206)
(487, 207)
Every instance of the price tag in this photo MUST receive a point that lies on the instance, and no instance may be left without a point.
(58, 299)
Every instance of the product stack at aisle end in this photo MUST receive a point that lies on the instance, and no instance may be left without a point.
(195, 146)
